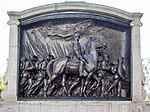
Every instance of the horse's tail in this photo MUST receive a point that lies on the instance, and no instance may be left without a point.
(49, 68)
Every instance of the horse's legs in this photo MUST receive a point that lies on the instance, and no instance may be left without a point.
(73, 86)
(102, 89)
(82, 85)
(64, 83)
(95, 85)
(86, 83)
(45, 87)
(54, 76)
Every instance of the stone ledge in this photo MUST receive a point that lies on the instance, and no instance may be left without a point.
(83, 106)
(77, 6)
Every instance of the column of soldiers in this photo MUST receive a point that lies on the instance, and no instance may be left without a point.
(33, 77)
(109, 78)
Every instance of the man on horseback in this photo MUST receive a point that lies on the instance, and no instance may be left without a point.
(78, 52)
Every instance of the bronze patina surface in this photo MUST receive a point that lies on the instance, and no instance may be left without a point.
(73, 56)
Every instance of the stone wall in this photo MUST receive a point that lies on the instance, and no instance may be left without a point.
(11, 104)
(71, 106)
(147, 108)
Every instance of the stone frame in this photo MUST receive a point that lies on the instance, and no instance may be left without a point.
(137, 103)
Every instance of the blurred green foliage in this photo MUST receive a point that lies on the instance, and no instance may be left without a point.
(146, 70)
(1, 85)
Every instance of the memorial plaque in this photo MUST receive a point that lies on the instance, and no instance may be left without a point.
(74, 54)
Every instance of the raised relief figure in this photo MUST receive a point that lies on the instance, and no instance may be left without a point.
(71, 60)
(78, 52)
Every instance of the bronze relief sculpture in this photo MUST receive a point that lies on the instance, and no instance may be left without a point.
(74, 59)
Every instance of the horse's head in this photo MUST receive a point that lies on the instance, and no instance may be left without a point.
(101, 46)
(95, 43)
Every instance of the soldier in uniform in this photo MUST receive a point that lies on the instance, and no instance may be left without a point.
(78, 52)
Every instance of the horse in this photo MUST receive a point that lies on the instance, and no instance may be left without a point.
(63, 67)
